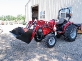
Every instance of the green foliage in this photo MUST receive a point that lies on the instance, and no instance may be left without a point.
(12, 18)
(24, 23)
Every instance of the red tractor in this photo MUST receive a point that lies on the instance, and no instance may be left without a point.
(48, 30)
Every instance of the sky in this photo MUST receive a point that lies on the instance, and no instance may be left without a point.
(12, 7)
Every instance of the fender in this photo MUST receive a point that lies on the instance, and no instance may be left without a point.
(66, 25)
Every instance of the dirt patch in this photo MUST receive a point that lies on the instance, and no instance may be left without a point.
(12, 49)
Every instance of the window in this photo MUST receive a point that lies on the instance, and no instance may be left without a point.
(42, 14)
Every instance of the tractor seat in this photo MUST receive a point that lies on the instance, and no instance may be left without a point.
(60, 21)
(60, 24)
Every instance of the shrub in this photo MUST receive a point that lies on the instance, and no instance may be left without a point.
(24, 23)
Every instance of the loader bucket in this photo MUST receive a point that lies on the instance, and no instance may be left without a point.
(22, 35)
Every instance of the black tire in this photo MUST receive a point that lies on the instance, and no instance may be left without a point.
(71, 33)
(38, 38)
(58, 36)
(39, 35)
(50, 38)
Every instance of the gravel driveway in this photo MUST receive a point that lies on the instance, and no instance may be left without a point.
(12, 49)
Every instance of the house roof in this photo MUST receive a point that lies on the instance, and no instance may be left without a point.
(27, 3)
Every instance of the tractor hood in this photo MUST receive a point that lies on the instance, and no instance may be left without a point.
(22, 34)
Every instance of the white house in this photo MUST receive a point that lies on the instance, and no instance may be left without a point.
(48, 9)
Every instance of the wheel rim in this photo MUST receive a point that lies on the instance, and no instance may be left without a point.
(52, 41)
(73, 34)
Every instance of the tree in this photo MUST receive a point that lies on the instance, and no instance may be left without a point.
(11, 18)
(19, 17)
(23, 17)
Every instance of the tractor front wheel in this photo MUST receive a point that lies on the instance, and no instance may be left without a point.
(50, 40)
(71, 33)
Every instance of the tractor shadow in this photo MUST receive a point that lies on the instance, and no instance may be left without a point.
(12, 49)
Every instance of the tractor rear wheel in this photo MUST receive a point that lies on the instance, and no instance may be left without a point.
(50, 40)
(71, 33)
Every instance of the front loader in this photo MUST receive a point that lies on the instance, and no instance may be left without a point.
(38, 30)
